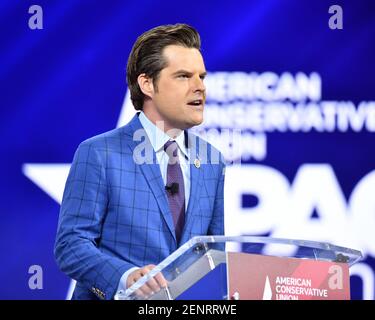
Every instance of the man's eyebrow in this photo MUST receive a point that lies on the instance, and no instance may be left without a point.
(188, 73)
(182, 71)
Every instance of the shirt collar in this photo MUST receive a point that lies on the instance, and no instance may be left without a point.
(158, 137)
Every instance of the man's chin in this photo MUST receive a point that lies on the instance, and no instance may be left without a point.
(194, 122)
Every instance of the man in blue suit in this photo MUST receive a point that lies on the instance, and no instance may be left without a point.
(136, 193)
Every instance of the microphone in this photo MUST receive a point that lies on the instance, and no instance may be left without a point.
(172, 188)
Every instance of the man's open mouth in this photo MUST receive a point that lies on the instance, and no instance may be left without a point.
(197, 102)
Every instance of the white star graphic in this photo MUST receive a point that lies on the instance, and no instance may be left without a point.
(51, 177)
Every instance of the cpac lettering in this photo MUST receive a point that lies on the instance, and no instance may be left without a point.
(285, 210)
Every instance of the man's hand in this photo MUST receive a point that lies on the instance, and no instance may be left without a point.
(151, 286)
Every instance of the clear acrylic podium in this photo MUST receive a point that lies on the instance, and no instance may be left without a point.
(248, 267)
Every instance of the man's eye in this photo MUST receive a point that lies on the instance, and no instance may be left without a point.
(184, 76)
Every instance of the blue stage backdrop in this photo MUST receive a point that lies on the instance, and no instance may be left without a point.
(291, 103)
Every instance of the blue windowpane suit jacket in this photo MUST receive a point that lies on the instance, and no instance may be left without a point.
(115, 214)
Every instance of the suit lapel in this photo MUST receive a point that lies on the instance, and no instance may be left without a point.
(150, 168)
(195, 177)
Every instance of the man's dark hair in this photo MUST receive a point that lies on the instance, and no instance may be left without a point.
(147, 55)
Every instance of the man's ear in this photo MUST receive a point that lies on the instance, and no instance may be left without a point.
(146, 85)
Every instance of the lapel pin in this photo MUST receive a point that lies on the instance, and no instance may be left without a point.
(197, 163)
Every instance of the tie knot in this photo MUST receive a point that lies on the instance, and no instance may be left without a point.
(171, 149)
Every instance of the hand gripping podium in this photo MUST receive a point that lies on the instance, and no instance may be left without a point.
(251, 268)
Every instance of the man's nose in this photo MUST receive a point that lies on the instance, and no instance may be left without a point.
(198, 84)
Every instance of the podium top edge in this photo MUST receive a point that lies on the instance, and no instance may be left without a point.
(269, 240)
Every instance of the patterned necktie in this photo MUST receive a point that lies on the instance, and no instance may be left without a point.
(176, 189)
